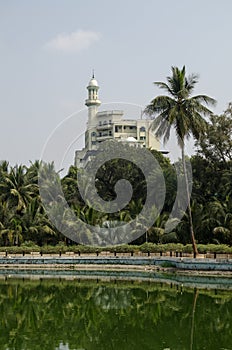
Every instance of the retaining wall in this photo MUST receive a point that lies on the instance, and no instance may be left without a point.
(179, 263)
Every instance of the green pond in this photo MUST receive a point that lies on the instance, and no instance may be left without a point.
(97, 314)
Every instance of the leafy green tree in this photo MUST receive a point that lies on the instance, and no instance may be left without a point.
(223, 225)
(209, 180)
(216, 146)
(183, 112)
(70, 188)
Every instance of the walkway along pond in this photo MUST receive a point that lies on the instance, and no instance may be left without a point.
(177, 263)
(203, 273)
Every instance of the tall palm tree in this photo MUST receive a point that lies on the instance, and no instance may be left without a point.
(184, 113)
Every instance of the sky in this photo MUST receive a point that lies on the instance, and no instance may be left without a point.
(49, 48)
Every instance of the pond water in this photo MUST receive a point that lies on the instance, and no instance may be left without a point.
(80, 314)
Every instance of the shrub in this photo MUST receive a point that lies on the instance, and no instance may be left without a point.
(124, 248)
(149, 247)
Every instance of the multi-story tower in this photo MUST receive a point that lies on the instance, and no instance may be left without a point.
(105, 125)
(92, 102)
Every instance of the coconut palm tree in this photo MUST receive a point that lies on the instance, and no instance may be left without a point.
(184, 113)
(16, 190)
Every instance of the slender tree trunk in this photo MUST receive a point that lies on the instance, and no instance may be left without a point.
(188, 202)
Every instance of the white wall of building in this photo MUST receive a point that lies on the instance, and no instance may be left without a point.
(111, 124)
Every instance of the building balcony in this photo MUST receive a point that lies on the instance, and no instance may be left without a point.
(104, 126)
(104, 137)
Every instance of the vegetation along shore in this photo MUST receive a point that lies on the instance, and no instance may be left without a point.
(206, 227)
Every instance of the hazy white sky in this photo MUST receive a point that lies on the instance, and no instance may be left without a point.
(48, 49)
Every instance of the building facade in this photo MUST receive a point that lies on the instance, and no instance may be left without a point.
(111, 124)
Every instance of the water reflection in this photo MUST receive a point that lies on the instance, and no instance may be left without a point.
(112, 298)
(65, 347)
(85, 315)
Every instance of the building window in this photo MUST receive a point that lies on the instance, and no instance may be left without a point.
(110, 122)
(94, 142)
(142, 129)
(118, 128)
(93, 134)
(110, 133)
(105, 122)
(100, 123)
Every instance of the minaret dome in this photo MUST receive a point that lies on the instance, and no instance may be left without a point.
(93, 88)
(93, 82)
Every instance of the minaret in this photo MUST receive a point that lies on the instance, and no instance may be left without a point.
(92, 102)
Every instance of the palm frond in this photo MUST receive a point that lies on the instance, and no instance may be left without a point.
(204, 99)
(159, 104)
(164, 86)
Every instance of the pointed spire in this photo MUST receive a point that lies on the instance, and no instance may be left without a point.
(93, 75)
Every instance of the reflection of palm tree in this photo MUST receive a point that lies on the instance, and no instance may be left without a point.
(94, 316)
(184, 113)
(193, 317)
(109, 298)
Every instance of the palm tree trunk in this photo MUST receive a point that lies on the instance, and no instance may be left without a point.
(188, 202)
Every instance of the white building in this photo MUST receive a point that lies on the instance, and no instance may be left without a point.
(111, 124)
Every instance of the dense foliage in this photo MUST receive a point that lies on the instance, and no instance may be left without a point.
(23, 218)
(26, 220)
